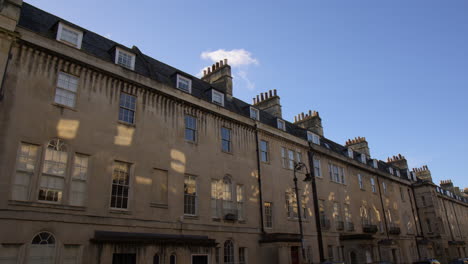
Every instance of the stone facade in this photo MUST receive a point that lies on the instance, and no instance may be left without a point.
(109, 159)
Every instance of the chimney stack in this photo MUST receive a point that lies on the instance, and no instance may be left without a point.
(447, 185)
(423, 173)
(359, 144)
(269, 102)
(310, 121)
(219, 76)
(398, 161)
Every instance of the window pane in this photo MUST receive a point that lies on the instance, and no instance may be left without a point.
(190, 195)
(120, 185)
(71, 254)
(21, 184)
(69, 36)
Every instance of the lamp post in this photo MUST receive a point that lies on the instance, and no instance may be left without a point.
(297, 167)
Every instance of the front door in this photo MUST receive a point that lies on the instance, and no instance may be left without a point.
(294, 255)
(200, 259)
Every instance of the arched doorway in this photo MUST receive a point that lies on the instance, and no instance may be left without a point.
(353, 257)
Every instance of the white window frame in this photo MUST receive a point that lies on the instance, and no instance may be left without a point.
(361, 183)
(372, 181)
(350, 153)
(190, 129)
(257, 113)
(312, 137)
(390, 170)
(62, 26)
(129, 186)
(240, 199)
(264, 152)
(220, 94)
(194, 196)
(317, 168)
(268, 212)
(384, 187)
(180, 77)
(364, 158)
(282, 126)
(117, 53)
(67, 90)
(398, 173)
(375, 163)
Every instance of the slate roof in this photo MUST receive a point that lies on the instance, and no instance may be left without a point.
(45, 24)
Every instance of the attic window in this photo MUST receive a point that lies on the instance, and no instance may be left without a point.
(125, 59)
(350, 153)
(281, 124)
(184, 84)
(311, 137)
(254, 113)
(398, 173)
(363, 158)
(217, 97)
(390, 169)
(375, 163)
(69, 35)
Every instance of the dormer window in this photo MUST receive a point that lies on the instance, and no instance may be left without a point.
(217, 97)
(311, 137)
(281, 124)
(254, 113)
(398, 173)
(184, 84)
(390, 169)
(375, 163)
(363, 158)
(350, 153)
(69, 35)
(125, 58)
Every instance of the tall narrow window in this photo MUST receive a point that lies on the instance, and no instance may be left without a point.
(291, 159)
(52, 181)
(226, 139)
(317, 168)
(228, 206)
(284, 160)
(127, 108)
(71, 254)
(372, 182)
(228, 252)
(42, 249)
(384, 187)
(215, 197)
(190, 128)
(25, 167)
(361, 184)
(268, 209)
(79, 178)
(120, 185)
(242, 255)
(65, 93)
(291, 205)
(172, 259)
(305, 211)
(240, 202)
(184, 84)
(9, 254)
(190, 195)
(217, 255)
(402, 194)
(298, 156)
(264, 151)
(156, 259)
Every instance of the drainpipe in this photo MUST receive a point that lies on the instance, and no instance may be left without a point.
(259, 180)
(421, 233)
(448, 221)
(414, 218)
(384, 216)
(310, 155)
(2, 89)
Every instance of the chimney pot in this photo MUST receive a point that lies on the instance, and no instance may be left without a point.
(253, 100)
(258, 99)
(310, 112)
(295, 119)
(302, 115)
(225, 62)
(204, 72)
(213, 68)
(266, 95)
(217, 65)
(274, 92)
(221, 63)
(261, 96)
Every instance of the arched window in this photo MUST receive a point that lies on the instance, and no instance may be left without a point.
(228, 252)
(172, 259)
(42, 249)
(52, 181)
(156, 259)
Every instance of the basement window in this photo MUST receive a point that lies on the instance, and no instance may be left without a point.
(184, 84)
(254, 113)
(125, 59)
(281, 124)
(217, 97)
(69, 35)
(311, 137)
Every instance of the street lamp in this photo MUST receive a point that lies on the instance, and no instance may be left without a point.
(297, 167)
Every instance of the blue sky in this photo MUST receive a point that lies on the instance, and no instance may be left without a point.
(395, 72)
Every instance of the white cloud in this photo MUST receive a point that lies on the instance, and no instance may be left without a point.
(236, 57)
